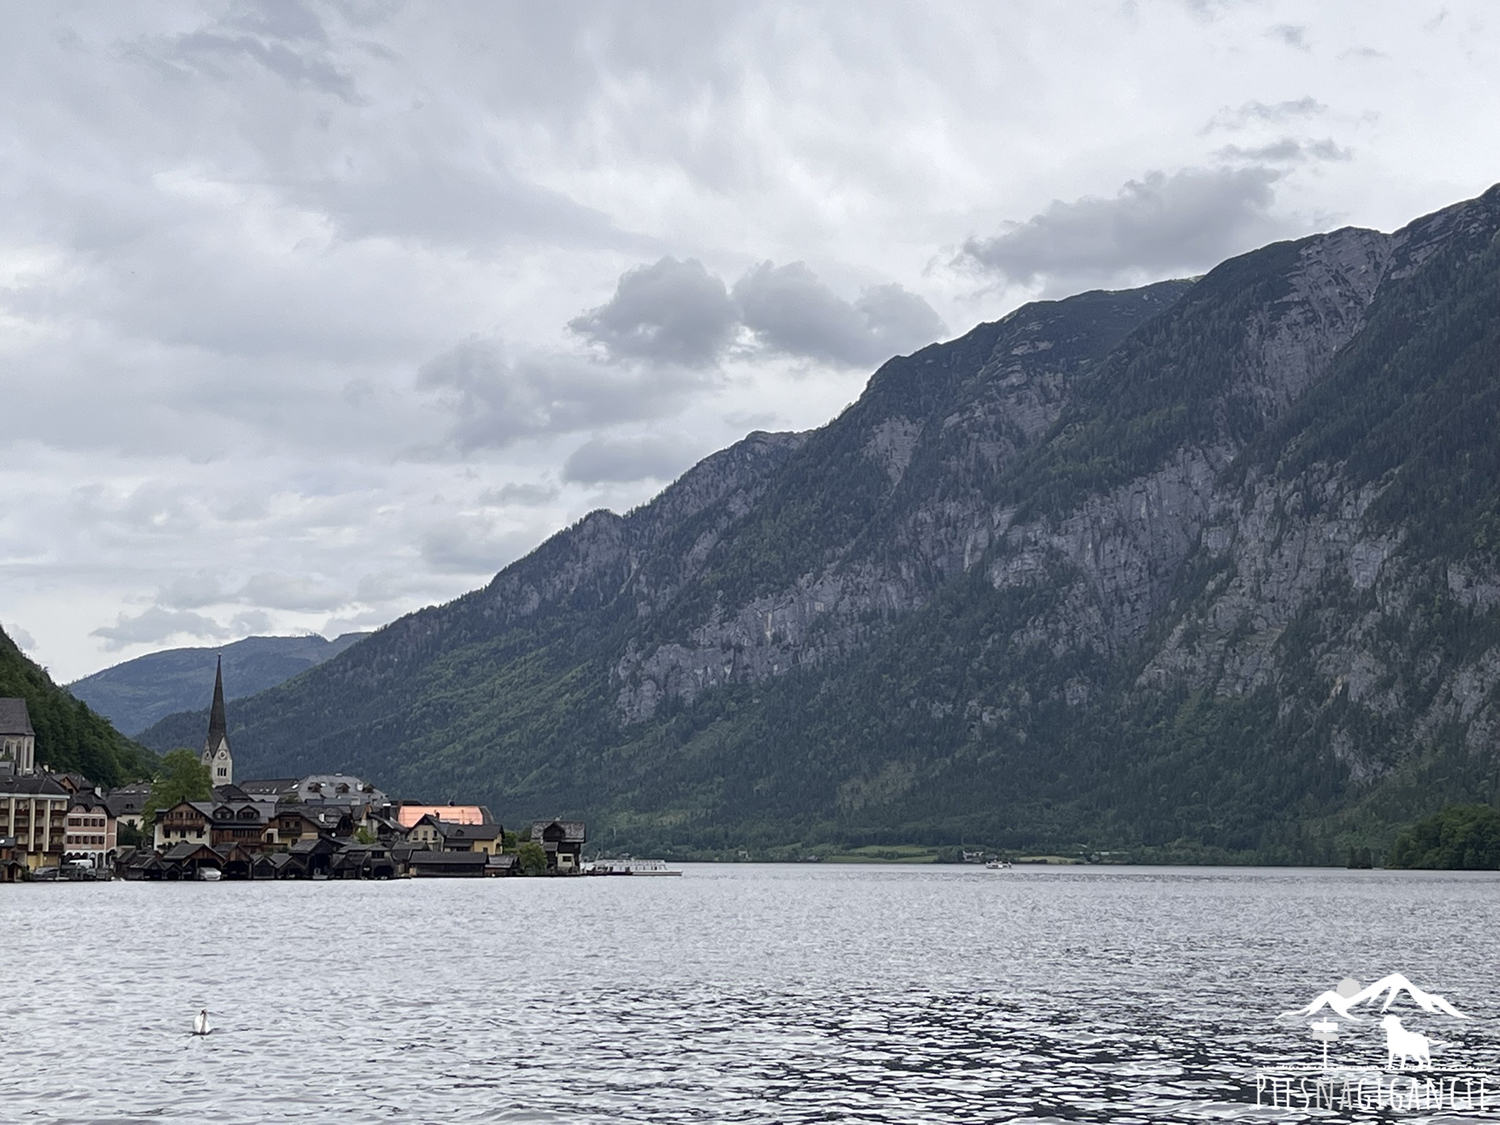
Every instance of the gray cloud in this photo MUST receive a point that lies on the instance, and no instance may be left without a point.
(1288, 150)
(1187, 221)
(1269, 113)
(498, 399)
(285, 39)
(421, 196)
(1293, 35)
(524, 495)
(601, 459)
(671, 311)
(23, 639)
(155, 624)
(192, 591)
(678, 312)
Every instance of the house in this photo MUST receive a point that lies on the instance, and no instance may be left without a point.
(34, 811)
(363, 861)
(434, 834)
(184, 860)
(427, 864)
(11, 867)
(126, 802)
(563, 842)
(316, 855)
(90, 830)
(250, 825)
(186, 820)
(17, 739)
(303, 822)
(140, 864)
(486, 838)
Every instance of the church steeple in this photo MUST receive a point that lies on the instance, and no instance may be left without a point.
(216, 754)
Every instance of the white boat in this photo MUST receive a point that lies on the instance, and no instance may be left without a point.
(210, 874)
(998, 865)
(629, 867)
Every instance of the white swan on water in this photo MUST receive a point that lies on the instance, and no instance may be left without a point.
(200, 1023)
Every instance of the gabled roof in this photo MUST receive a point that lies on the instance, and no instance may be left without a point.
(127, 800)
(30, 785)
(265, 812)
(268, 786)
(13, 717)
(203, 808)
(467, 831)
(572, 830)
(320, 845)
(189, 849)
(88, 799)
(448, 859)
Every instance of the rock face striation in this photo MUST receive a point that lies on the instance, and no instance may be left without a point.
(1209, 566)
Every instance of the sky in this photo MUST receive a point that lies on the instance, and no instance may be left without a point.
(312, 314)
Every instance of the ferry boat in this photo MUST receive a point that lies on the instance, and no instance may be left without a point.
(628, 866)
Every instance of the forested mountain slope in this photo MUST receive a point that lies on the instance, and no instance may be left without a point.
(1207, 567)
(135, 694)
(69, 736)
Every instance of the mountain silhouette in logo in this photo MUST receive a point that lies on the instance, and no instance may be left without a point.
(1391, 987)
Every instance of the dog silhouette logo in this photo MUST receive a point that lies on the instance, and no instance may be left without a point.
(1412, 1048)
(1408, 1081)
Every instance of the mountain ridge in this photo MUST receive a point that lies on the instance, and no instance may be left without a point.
(1130, 569)
(137, 693)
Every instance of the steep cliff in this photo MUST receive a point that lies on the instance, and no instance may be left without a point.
(1207, 565)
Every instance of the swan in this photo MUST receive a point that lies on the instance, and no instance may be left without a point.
(200, 1023)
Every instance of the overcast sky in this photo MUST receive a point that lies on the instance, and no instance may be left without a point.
(313, 314)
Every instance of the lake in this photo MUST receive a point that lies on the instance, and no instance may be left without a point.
(737, 993)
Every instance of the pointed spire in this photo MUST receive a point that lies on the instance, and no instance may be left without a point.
(218, 729)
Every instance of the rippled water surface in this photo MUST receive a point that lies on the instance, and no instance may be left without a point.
(734, 994)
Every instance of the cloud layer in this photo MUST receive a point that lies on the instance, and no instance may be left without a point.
(313, 313)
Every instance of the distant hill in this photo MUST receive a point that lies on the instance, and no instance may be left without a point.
(136, 694)
(69, 736)
(1209, 569)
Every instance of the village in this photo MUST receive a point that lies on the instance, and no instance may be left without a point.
(60, 825)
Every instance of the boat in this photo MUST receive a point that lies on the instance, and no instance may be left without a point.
(210, 874)
(998, 865)
(627, 866)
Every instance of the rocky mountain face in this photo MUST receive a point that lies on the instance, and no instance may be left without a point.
(135, 694)
(1207, 568)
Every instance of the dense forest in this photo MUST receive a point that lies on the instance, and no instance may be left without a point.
(69, 736)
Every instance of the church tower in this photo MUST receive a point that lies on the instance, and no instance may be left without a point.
(216, 754)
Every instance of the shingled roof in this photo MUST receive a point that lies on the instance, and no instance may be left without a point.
(13, 717)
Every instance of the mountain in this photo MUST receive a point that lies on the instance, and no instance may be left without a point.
(1202, 570)
(69, 736)
(137, 693)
